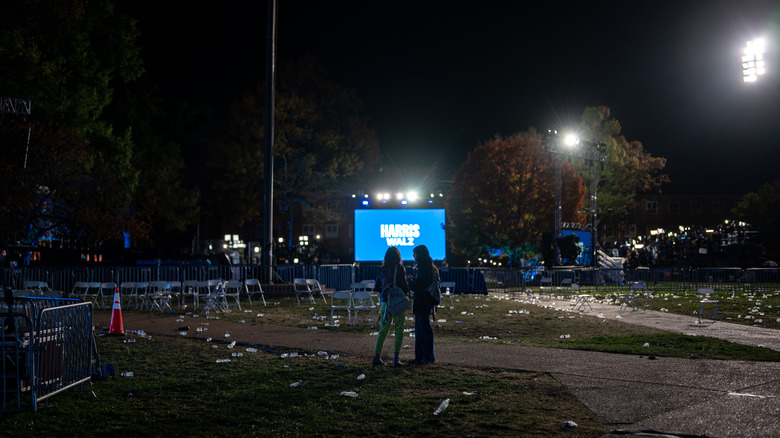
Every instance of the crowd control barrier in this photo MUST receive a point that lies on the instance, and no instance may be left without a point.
(47, 347)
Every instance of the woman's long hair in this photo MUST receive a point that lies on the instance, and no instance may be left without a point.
(392, 257)
(424, 259)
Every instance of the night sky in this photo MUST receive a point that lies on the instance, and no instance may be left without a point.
(438, 78)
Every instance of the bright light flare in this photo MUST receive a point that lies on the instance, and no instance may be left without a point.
(411, 196)
(753, 64)
(571, 140)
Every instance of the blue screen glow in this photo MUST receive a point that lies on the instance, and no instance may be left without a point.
(377, 230)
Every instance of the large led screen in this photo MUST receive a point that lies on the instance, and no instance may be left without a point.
(377, 230)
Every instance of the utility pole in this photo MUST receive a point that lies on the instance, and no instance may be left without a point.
(268, 169)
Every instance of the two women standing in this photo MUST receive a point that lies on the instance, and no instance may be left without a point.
(422, 306)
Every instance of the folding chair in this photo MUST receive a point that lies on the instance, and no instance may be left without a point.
(362, 300)
(107, 291)
(232, 289)
(39, 286)
(707, 296)
(564, 289)
(302, 288)
(188, 289)
(341, 300)
(158, 296)
(545, 286)
(314, 287)
(252, 287)
(580, 299)
(139, 292)
(635, 290)
(125, 292)
(80, 288)
(447, 291)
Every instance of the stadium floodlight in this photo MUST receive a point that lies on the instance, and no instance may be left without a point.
(753, 63)
(571, 140)
(399, 196)
(411, 196)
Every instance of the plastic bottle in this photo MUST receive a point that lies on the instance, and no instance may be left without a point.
(361, 377)
(237, 355)
(127, 374)
(349, 393)
(295, 384)
(223, 360)
(232, 344)
(251, 350)
(442, 407)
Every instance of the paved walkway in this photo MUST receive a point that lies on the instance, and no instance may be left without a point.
(630, 393)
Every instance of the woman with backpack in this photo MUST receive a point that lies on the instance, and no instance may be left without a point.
(391, 265)
(423, 305)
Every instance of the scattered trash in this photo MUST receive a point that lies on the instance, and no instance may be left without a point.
(407, 346)
(260, 315)
(600, 316)
(569, 425)
(442, 407)
(231, 345)
(296, 384)
(441, 320)
(349, 393)
(470, 393)
(646, 344)
(201, 329)
(237, 354)
(227, 335)
(288, 355)
(313, 328)
(565, 336)
(618, 317)
(361, 377)
(251, 350)
(322, 353)
(241, 321)
(183, 333)
(129, 340)
(222, 360)
(332, 356)
(127, 374)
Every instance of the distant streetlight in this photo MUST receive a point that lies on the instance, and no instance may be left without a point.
(594, 156)
(753, 64)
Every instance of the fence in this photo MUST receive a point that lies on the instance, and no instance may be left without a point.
(676, 280)
(47, 347)
(467, 280)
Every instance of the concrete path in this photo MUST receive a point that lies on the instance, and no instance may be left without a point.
(632, 394)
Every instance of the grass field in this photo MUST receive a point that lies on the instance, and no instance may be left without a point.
(179, 388)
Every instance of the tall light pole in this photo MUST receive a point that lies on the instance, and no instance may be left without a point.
(570, 145)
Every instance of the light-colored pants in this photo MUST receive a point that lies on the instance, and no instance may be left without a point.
(384, 328)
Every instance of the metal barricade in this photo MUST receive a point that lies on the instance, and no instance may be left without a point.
(47, 347)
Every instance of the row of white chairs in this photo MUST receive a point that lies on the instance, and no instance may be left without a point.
(214, 295)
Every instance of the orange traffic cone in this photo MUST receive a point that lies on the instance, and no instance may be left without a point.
(116, 327)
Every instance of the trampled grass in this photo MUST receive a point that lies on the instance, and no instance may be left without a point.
(496, 319)
(179, 389)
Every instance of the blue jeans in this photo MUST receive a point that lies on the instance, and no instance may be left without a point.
(423, 338)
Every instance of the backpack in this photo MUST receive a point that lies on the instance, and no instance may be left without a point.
(435, 289)
(397, 303)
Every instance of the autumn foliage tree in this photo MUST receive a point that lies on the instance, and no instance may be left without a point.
(629, 169)
(503, 197)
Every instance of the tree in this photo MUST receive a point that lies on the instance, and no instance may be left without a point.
(503, 196)
(761, 209)
(321, 140)
(67, 58)
(628, 171)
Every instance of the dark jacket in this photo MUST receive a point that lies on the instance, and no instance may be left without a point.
(423, 301)
(385, 280)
